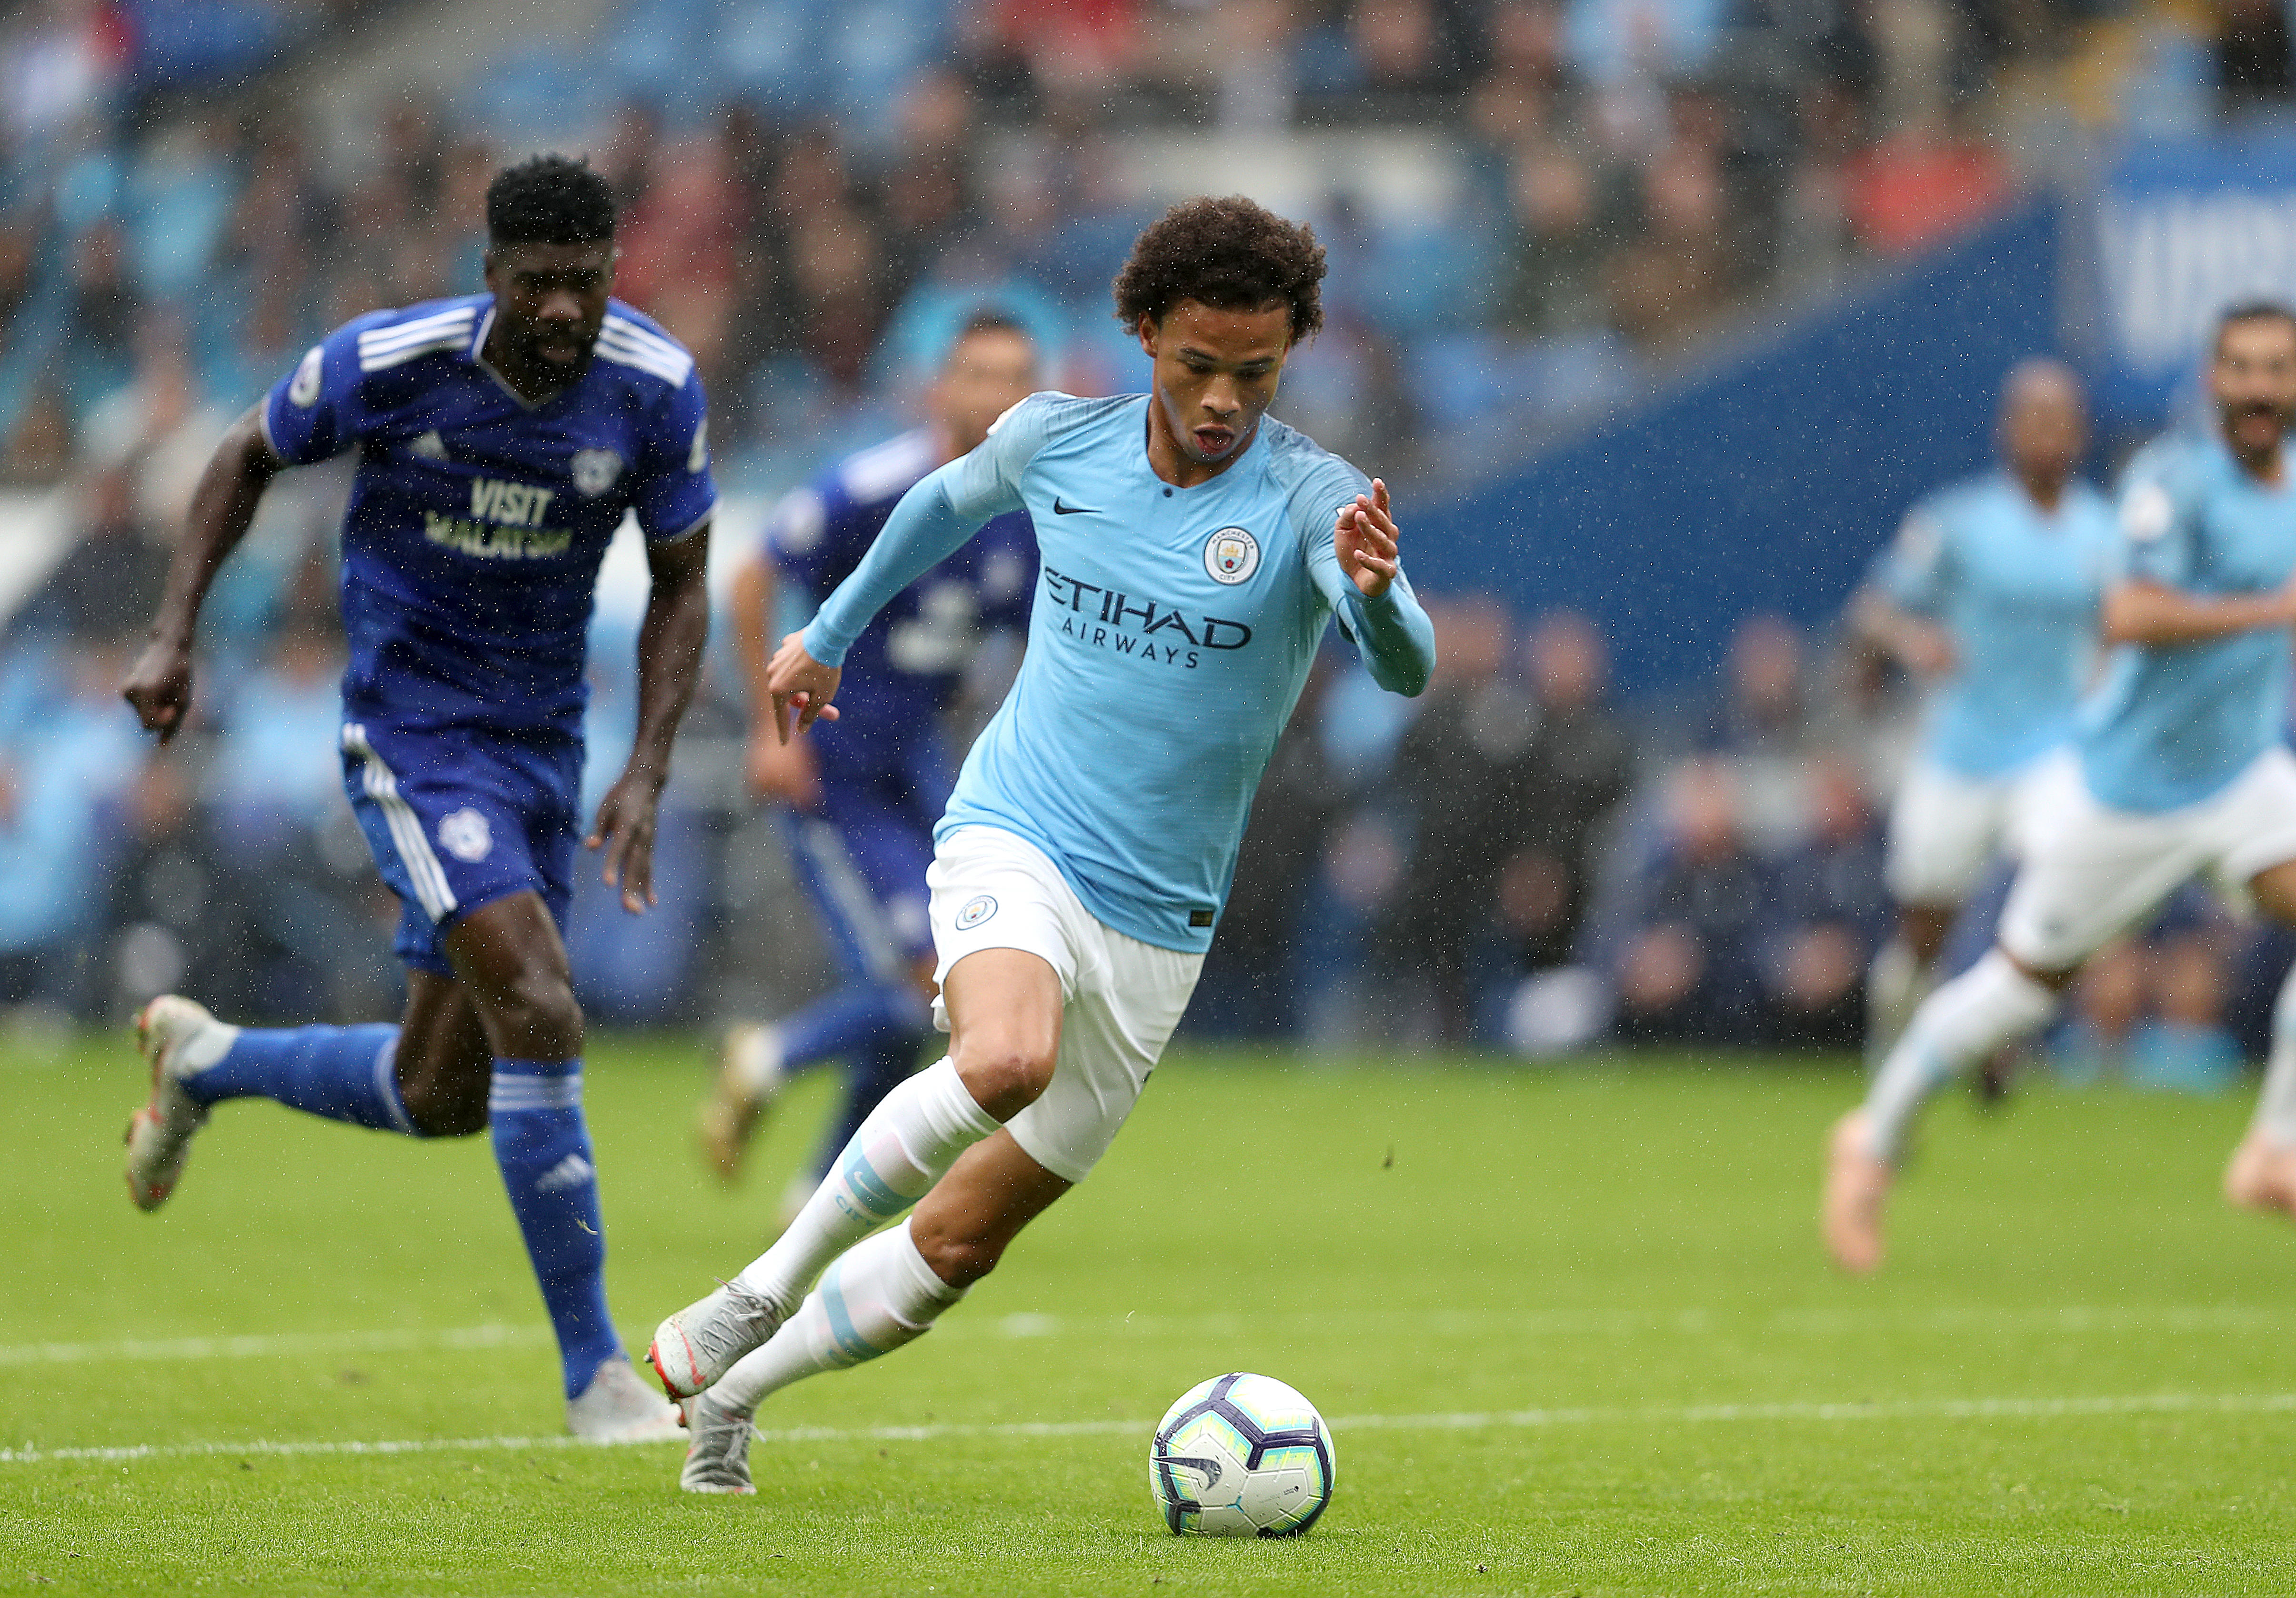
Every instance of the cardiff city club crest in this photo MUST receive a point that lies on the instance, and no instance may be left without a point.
(1231, 555)
(596, 470)
(466, 835)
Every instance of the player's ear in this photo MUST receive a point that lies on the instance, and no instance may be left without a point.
(1147, 332)
(491, 270)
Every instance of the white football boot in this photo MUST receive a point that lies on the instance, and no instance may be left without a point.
(618, 1407)
(749, 1080)
(179, 1038)
(717, 1450)
(701, 1342)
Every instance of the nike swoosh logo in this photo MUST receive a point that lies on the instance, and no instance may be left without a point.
(1060, 509)
(1208, 1469)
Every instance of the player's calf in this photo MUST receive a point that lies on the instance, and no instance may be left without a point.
(1856, 1183)
(750, 1080)
(339, 1073)
(880, 1295)
(2261, 1176)
(905, 1147)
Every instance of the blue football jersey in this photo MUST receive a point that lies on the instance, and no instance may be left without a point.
(905, 669)
(1172, 631)
(2174, 723)
(476, 521)
(2019, 589)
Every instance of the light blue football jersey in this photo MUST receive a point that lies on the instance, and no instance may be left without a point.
(1172, 632)
(2173, 723)
(2018, 589)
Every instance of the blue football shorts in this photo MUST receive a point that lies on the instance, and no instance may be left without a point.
(863, 860)
(459, 817)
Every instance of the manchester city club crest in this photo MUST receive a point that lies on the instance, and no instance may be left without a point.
(977, 909)
(596, 470)
(1231, 555)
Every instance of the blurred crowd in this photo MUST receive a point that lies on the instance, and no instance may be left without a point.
(1512, 863)
(1529, 196)
(1534, 195)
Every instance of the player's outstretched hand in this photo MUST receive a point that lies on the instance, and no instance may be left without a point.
(159, 688)
(1928, 650)
(625, 830)
(1366, 540)
(799, 682)
(784, 768)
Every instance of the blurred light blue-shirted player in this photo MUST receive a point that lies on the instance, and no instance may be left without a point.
(1193, 553)
(1992, 589)
(502, 438)
(863, 794)
(2182, 768)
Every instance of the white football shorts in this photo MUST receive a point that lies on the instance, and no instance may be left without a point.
(2092, 871)
(1945, 828)
(992, 889)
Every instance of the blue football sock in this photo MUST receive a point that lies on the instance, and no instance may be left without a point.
(889, 1060)
(544, 1149)
(847, 1022)
(343, 1073)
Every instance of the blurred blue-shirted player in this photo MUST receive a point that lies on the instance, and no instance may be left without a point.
(502, 439)
(1992, 590)
(863, 794)
(2183, 768)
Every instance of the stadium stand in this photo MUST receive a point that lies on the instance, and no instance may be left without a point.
(1536, 209)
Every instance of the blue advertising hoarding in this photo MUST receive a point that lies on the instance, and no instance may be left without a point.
(2184, 230)
(1767, 482)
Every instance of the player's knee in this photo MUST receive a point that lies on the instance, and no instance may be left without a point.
(1006, 1074)
(2274, 892)
(2056, 980)
(445, 1109)
(958, 1258)
(452, 1118)
(538, 1015)
(1925, 927)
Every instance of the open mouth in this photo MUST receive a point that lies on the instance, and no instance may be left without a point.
(561, 348)
(1215, 441)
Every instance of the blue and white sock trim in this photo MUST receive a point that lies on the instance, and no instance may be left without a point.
(512, 1091)
(386, 1086)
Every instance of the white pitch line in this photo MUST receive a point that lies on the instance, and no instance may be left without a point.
(269, 1347)
(1518, 1419)
(2067, 1320)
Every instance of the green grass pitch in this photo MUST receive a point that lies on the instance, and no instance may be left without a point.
(1572, 1329)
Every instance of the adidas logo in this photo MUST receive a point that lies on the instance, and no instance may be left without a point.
(569, 1172)
(430, 446)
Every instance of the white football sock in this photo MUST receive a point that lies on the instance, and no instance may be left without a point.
(1895, 987)
(759, 1068)
(2275, 1106)
(878, 1296)
(905, 1147)
(1989, 1005)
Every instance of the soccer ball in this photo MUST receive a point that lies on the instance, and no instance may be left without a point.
(1241, 1456)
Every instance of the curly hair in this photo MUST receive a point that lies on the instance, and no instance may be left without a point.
(1231, 254)
(549, 200)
